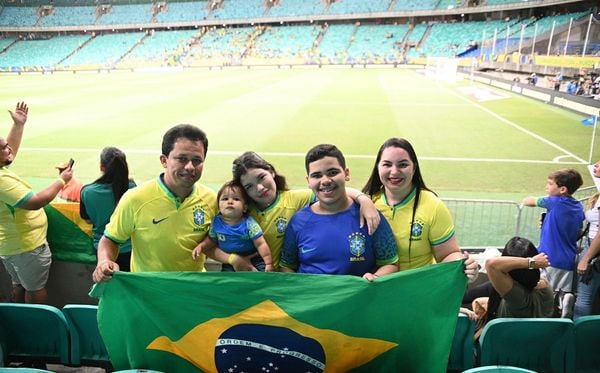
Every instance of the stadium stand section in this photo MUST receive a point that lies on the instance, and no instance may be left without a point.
(127, 14)
(293, 42)
(40, 53)
(19, 16)
(104, 50)
(70, 16)
(378, 44)
(240, 9)
(358, 6)
(178, 12)
(297, 8)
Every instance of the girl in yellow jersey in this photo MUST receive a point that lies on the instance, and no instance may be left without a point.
(273, 204)
(421, 223)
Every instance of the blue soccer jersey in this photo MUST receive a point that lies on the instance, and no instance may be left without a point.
(335, 244)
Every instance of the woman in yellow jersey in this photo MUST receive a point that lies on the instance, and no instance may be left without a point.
(421, 223)
(273, 204)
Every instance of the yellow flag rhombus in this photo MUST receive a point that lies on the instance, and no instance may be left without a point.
(342, 352)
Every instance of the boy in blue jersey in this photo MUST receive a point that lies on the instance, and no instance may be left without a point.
(560, 228)
(326, 237)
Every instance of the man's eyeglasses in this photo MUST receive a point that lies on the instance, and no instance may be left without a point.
(185, 160)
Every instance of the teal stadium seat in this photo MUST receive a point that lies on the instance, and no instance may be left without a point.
(24, 370)
(499, 369)
(539, 344)
(33, 332)
(587, 344)
(87, 346)
(462, 352)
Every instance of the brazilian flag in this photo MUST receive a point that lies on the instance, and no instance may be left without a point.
(69, 236)
(281, 322)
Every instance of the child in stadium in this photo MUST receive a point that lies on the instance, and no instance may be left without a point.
(235, 233)
(560, 229)
(326, 237)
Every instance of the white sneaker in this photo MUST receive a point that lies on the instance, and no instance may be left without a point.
(568, 302)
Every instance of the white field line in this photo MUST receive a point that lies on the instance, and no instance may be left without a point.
(514, 125)
(301, 155)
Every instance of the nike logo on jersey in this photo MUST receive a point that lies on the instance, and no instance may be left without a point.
(306, 251)
(156, 221)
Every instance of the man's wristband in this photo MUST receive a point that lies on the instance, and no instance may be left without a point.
(531, 263)
(231, 258)
(62, 181)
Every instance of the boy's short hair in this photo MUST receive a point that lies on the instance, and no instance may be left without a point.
(569, 178)
(324, 150)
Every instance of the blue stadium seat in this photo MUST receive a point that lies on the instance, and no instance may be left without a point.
(87, 346)
(462, 351)
(587, 344)
(539, 344)
(499, 369)
(34, 332)
(24, 370)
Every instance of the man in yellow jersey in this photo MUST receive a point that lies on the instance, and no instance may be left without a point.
(23, 223)
(165, 218)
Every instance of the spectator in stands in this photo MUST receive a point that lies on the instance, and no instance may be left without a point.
(72, 190)
(99, 199)
(273, 204)
(421, 223)
(532, 79)
(517, 289)
(165, 218)
(571, 87)
(326, 237)
(560, 229)
(235, 233)
(589, 278)
(558, 78)
(23, 223)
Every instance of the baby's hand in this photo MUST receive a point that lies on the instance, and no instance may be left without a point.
(197, 252)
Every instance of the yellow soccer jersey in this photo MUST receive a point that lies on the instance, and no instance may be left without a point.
(20, 230)
(432, 226)
(275, 218)
(163, 229)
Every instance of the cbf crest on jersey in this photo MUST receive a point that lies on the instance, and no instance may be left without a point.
(357, 243)
(281, 224)
(417, 230)
(198, 216)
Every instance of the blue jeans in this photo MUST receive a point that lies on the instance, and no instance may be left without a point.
(586, 293)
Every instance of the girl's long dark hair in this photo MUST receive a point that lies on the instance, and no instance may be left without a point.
(374, 184)
(116, 171)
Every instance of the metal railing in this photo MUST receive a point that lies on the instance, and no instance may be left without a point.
(482, 224)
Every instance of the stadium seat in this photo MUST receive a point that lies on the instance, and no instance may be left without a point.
(461, 353)
(499, 369)
(587, 344)
(34, 332)
(539, 344)
(87, 346)
(24, 370)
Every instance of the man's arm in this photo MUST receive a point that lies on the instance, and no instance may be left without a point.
(15, 135)
(499, 267)
(108, 251)
(44, 197)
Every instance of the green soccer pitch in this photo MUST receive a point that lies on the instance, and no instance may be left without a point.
(473, 141)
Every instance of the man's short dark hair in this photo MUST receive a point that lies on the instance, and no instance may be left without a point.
(186, 131)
